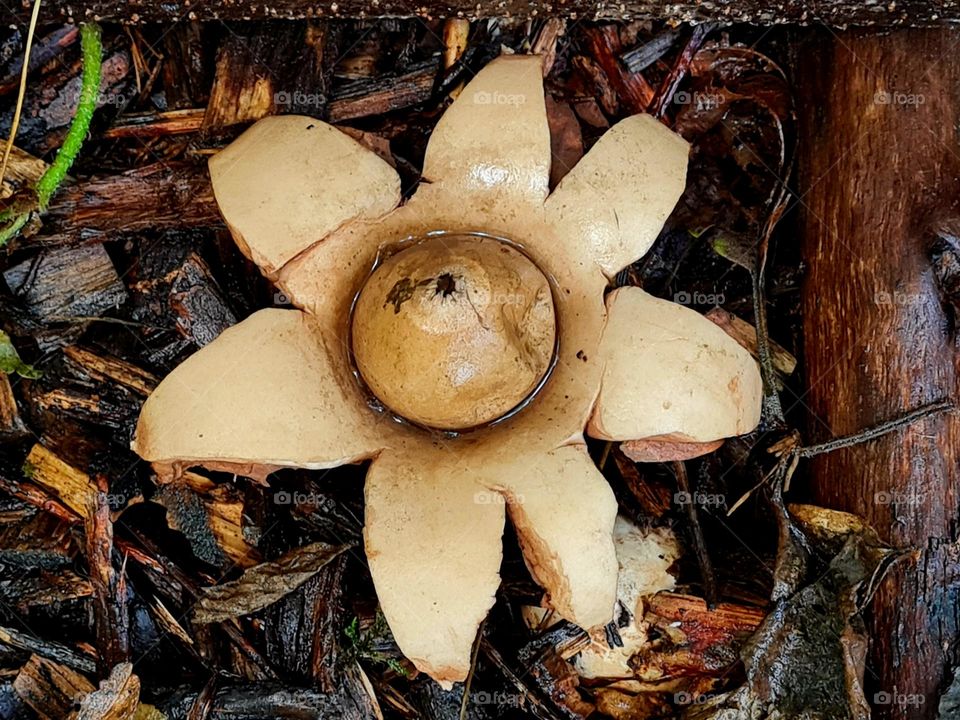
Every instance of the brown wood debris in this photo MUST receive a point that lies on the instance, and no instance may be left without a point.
(230, 601)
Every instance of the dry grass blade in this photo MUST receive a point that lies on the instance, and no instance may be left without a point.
(23, 89)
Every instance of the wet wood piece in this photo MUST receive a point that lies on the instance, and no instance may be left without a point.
(56, 652)
(158, 196)
(837, 13)
(176, 299)
(515, 680)
(187, 513)
(38, 497)
(225, 512)
(697, 640)
(186, 67)
(605, 95)
(46, 589)
(110, 616)
(67, 284)
(546, 41)
(23, 171)
(117, 698)
(269, 701)
(12, 427)
(51, 690)
(697, 537)
(98, 404)
(276, 67)
(173, 582)
(111, 369)
(653, 495)
(633, 92)
(202, 313)
(545, 663)
(304, 630)
(46, 47)
(640, 58)
(40, 541)
(156, 125)
(64, 482)
(211, 518)
(745, 334)
(566, 140)
(51, 104)
(363, 98)
(680, 67)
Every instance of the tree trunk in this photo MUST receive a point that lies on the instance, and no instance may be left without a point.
(879, 170)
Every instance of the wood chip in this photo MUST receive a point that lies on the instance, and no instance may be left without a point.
(56, 652)
(545, 41)
(40, 541)
(634, 93)
(23, 171)
(67, 284)
(12, 427)
(202, 313)
(212, 523)
(162, 195)
(51, 690)
(274, 69)
(101, 367)
(111, 619)
(698, 640)
(376, 97)
(48, 589)
(67, 484)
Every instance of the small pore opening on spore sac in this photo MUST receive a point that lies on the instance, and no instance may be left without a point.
(446, 285)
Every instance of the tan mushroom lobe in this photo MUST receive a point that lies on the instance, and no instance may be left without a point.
(454, 331)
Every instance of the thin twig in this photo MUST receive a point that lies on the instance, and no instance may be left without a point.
(789, 457)
(872, 433)
(699, 542)
(537, 705)
(771, 397)
(22, 91)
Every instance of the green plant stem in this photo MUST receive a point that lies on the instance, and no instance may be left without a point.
(92, 50)
(10, 230)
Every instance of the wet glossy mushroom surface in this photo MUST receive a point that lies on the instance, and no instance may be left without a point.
(454, 331)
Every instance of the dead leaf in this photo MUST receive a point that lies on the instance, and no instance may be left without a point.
(264, 584)
(117, 698)
(807, 658)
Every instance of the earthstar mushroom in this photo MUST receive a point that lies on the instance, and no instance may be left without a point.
(493, 387)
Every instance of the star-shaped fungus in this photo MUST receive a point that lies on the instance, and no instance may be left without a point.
(461, 342)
